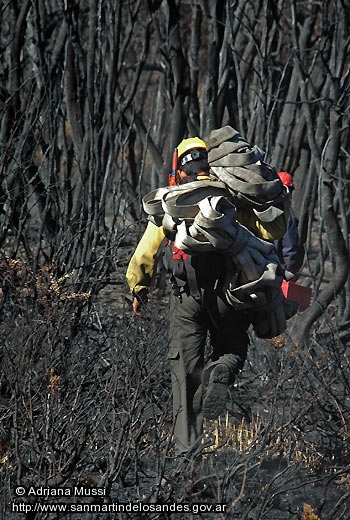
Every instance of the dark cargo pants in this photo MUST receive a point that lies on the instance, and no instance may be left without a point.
(190, 322)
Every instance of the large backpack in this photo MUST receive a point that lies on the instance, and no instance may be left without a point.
(199, 218)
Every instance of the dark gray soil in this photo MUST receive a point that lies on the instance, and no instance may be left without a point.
(85, 401)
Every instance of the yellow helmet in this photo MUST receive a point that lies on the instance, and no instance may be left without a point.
(192, 143)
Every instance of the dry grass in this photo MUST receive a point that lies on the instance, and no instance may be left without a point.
(239, 437)
(308, 513)
(242, 438)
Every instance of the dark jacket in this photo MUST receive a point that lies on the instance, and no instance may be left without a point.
(287, 247)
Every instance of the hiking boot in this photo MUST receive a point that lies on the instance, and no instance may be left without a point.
(214, 403)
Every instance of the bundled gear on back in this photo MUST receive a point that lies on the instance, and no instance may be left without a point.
(200, 218)
(252, 182)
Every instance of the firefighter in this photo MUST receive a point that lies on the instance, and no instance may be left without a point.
(287, 246)
(199, 389)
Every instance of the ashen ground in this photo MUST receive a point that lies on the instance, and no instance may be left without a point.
(91, 405)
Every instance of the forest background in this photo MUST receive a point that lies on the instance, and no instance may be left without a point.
(94, 96)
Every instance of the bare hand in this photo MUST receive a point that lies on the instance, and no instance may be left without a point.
(136, 306)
